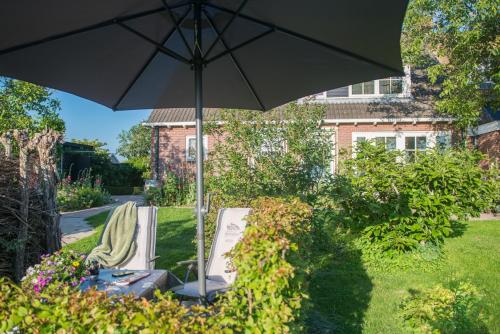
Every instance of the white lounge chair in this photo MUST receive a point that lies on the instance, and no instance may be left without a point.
(145, 238)
(231, 223)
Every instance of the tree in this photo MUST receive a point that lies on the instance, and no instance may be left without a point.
(135, 146)
(457, 40)
(25, 106)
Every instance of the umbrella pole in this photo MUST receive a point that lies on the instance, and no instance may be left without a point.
(200, 210)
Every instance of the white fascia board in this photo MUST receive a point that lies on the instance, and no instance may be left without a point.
(172, 124)
(388, 120)
(484, 128)
(327, 121)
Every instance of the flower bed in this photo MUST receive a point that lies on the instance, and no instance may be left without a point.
(80, 194)
(55, 272)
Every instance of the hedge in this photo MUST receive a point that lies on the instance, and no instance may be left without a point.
(124, 190)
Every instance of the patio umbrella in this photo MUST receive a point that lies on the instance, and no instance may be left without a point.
(138, 54)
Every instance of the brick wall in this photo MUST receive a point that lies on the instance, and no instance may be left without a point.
(345, 130)
(173, 140)
(173, 148)
(489, 143)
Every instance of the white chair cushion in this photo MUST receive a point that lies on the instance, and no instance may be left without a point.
(230, 228)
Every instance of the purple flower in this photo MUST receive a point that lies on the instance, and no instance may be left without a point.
(82, 279)
(74, 283)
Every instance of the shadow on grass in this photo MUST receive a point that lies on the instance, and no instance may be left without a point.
(339, 292)
(458, 229)
(339, 286)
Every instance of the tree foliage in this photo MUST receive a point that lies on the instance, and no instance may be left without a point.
(135, 146)
(457, 40)
(284, 152)
(27, 106)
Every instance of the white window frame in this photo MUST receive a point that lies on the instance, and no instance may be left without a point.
(400, 135)
(322, 97)
(205, 148)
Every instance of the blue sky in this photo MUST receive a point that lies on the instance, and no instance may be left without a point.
(86, 119)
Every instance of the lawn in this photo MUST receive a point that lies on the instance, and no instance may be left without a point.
(175, 232)
(347, 296)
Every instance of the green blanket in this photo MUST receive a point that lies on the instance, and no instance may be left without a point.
(117, 243)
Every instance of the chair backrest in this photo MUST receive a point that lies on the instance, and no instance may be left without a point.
(231, 223)
(145, 238)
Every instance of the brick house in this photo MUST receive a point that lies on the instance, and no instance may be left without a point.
(397, 111)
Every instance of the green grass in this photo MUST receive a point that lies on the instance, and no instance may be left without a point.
(347, 296)
(350, 297)
(175, 232)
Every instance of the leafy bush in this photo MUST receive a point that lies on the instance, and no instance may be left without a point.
(398, 205)
(179, 188)
(124, 190)
(67, 311)
(83, 193)
(267, 297)
(456, 309)
(56, 271)
(271, 260)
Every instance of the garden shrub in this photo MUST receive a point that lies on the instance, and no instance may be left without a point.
(83, 193)
(178, 189)
(271, 261)
(453, 309)
(397, 205)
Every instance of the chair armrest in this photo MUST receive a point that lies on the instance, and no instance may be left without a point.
(192, 264)
(155, 258)
(186, 262)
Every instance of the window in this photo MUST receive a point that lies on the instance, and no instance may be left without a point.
(364, 88)
(415, 144)
(191, 148)
(443, 141)
(393, 85)
(389, 142)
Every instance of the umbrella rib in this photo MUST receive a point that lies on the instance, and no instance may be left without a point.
(160, 47)
(235, 61)
(99, 25)
(239, 46)
(150, 59)
(171, 15)
(309, 39)
(235, 15)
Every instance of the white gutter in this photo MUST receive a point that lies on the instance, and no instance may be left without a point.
(328, 121)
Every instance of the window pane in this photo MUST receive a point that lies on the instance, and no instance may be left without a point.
(191, 149)
(357, 89)
(384, 86)
(410, 143)
(369, 87)
(380, 140)
(443, 141)
(421, 143)
(360, 139)
(396, 86)
(390, 143)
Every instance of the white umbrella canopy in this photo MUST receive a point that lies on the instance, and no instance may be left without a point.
(248, 54)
